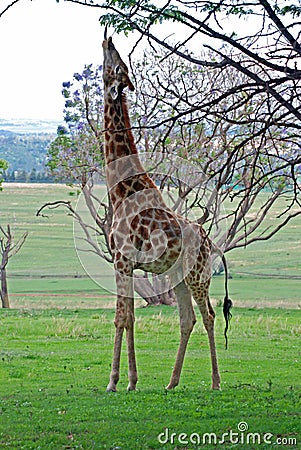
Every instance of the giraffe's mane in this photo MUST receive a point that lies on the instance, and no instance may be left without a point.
(127, 122)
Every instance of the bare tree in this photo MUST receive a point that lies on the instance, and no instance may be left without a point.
(233, 110)
(8, 248)
(233, 168)
(252, 173)
(229, 101)
(237, 101)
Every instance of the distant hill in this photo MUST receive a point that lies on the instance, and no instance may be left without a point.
(23, 144)
(29, 126)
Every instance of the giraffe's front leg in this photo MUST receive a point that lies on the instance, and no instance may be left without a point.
(124, 319)
(119, 325)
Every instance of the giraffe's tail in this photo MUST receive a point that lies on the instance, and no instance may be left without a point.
(227, 301)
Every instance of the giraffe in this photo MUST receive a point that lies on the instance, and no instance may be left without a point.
(146, 234)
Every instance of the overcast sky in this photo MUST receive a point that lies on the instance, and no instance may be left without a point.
(42, 44)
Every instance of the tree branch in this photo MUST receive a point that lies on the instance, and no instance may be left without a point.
(281, 27)
(8, 7)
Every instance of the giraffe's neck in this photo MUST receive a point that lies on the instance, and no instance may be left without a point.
(119, 140)
(125, 173)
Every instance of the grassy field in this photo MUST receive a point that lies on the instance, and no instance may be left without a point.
(56, 349)
(56, 366)
(47, 272)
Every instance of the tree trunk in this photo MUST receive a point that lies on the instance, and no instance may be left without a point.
(8, 248)
(4, 290)
(157, 292)
(218, 268)
(144, 288)
(167, 295)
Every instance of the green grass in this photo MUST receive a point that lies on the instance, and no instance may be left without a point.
(49, 249)
(55, 367)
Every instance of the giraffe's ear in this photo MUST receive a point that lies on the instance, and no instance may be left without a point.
(114, 92)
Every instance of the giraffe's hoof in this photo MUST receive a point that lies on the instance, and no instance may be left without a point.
(216, 387)
(171, 385)
(111, 389)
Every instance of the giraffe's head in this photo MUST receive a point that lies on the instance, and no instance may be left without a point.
(115, 71)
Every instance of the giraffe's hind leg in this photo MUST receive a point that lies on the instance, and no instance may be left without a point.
(187, 321)
(200, 292)
(133, 377)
